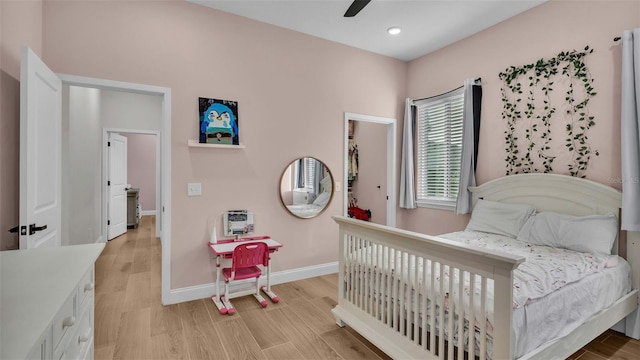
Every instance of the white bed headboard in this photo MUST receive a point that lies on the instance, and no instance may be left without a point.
(552, 192)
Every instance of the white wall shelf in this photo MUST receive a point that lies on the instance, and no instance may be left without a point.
(196, 143)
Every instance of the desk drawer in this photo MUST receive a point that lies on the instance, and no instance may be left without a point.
(64, 319)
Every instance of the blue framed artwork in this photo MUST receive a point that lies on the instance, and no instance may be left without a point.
(218, 121)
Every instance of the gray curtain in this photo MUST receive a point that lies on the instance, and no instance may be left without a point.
(470, 136)
(629, 124)
(317, 177)
(407, 185)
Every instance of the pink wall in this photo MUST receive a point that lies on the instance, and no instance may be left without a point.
(20, 24)
(292, 90)
(541, 32)
(141, 167)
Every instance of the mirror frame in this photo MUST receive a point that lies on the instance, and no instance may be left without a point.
(330, 174)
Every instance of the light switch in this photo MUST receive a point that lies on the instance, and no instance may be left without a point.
(337, 185)
(194, 189)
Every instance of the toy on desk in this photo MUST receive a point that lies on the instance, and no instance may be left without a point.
(238, 222)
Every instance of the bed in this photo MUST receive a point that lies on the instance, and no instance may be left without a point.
(460, 295)
(318, 204)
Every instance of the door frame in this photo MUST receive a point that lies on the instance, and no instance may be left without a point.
(391, 161)
(163, 148)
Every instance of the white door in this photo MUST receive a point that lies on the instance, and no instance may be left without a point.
(117, 184)
(40, 153)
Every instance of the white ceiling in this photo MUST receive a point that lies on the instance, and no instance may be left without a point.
(427, 25)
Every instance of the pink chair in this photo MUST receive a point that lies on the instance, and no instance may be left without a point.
(245, 261)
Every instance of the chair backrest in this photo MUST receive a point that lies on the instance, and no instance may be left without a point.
(251, 254)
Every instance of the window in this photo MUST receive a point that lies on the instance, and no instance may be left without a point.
(309, 172)
(305, 173)
(439, 149)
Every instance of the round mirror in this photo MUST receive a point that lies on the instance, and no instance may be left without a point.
(306, 187)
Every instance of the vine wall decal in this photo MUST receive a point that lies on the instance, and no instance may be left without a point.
(530, 110)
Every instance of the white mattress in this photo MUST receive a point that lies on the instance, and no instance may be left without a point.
(560, 311)
(551, 311)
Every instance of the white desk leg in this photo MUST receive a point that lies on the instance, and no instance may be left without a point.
(267, 288)
(216, 298)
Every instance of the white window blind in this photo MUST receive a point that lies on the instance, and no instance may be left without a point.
(439, 148)
(309, 172)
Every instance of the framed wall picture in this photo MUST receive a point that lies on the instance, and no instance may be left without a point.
(218, 121)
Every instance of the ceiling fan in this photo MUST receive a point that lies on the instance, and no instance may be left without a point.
(355, 7)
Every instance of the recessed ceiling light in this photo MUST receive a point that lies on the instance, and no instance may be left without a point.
(394, 30)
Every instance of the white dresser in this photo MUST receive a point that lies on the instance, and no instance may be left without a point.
(47, 302)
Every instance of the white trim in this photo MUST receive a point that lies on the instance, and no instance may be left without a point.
(204, 291)
(391, 161)
(148, 212)
(163, 162)
(437, 204)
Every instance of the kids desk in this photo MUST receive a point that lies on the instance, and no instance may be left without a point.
(224, 250)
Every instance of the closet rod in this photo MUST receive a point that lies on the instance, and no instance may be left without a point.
(458, 88)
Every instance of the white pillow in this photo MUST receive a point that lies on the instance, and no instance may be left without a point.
(590, 234)
(322, 199)
(499, 218)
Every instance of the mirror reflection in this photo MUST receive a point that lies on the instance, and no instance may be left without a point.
(306, 187)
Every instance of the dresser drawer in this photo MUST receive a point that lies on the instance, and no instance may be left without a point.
(65, 319)
(80, 339)
(86, 287)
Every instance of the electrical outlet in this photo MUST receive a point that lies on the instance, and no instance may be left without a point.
(194, 189)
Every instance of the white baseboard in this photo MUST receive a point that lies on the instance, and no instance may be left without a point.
(191, 293)
(147, 212)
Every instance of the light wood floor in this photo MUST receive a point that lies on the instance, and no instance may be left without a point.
(131, 323)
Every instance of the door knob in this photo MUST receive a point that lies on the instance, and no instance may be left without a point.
(33, 228)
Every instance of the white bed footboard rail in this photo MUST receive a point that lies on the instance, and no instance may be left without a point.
(419, 296)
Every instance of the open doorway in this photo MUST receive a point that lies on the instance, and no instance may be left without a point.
(377, 138)
(84, 219)
(133, 178)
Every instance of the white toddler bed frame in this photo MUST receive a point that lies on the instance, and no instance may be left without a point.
(383, 308)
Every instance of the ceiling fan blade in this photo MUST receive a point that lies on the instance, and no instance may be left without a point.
(355, 7)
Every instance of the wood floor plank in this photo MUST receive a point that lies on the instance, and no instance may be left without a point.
(134, 337)
(235, 338)
(165, 319)
(199, 331)
(286, 351)
(107, 312)
(310, 345)
(610, 352)
(347, 345)
(319, 287)
(262, 329)
(624, 343)
(170, 345)
(138, 293)
(141, 262)
(317, 318)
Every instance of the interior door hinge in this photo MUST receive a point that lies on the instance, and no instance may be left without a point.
(108, 182)
(108, 143)
(108, 222)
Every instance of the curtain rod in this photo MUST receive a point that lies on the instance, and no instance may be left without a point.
(458, 88)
